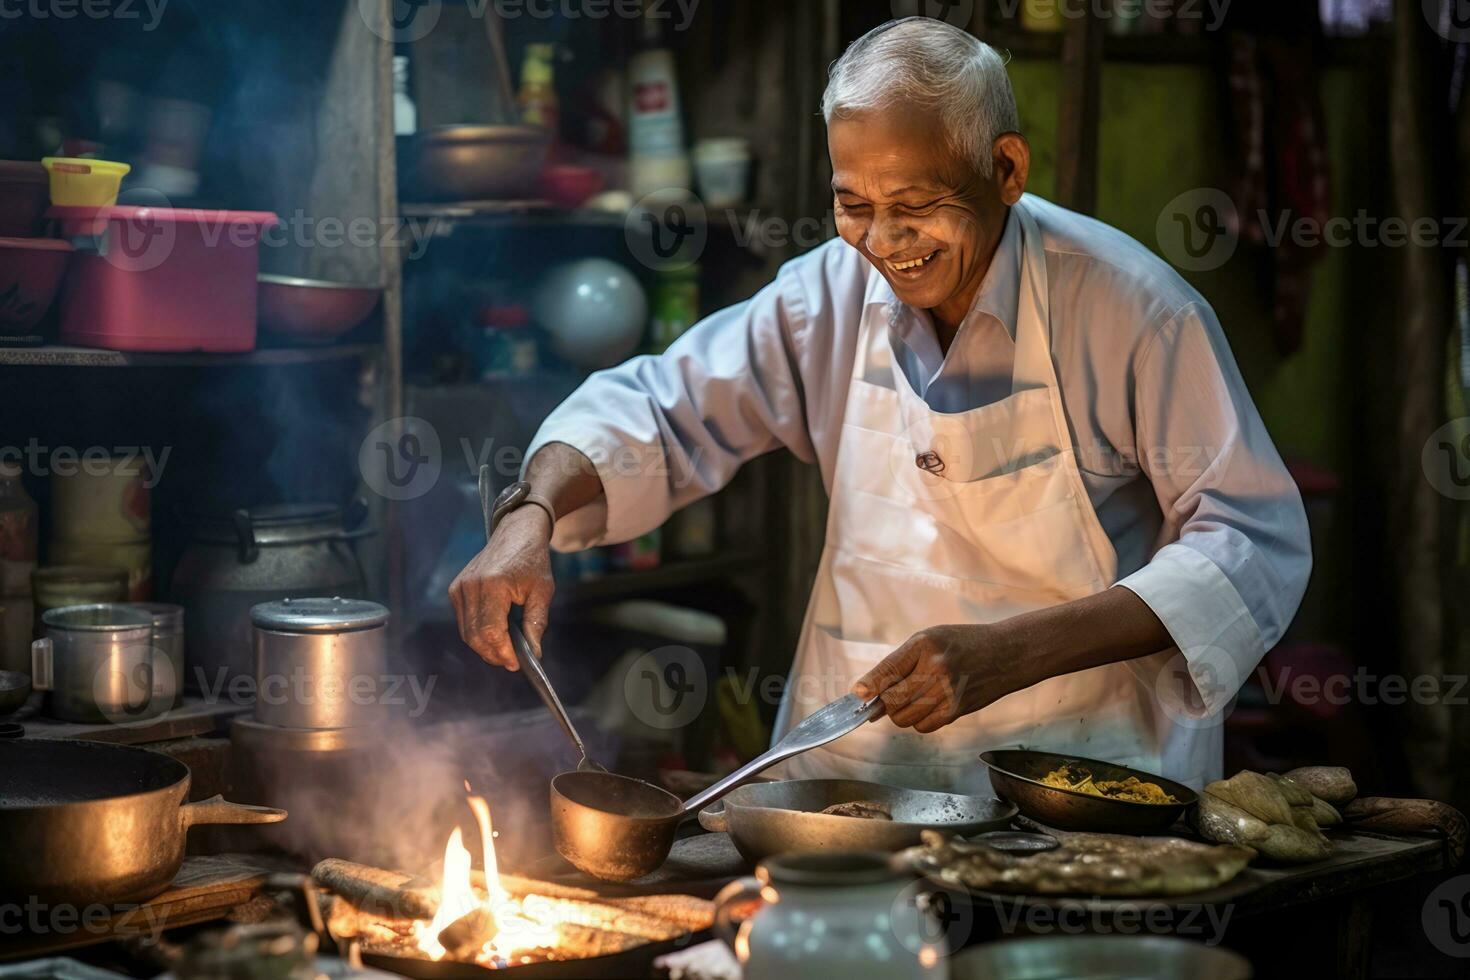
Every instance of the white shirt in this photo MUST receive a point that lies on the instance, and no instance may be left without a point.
(1175, 457)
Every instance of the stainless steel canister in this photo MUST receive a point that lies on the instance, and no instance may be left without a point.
(320, 663)
(168, 641)
(95, 663)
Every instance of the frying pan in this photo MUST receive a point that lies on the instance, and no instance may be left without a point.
(1016, 773)
(87, 822)
(769, 819)
(765, 819)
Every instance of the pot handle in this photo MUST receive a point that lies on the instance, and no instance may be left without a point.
(217, 809)
(245, 544)
(714, 819)
(736, 893)
(42, 662)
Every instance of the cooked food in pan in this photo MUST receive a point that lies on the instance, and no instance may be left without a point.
(862, 809)
(1131, 790)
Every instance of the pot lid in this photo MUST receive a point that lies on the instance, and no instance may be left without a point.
(318, 615)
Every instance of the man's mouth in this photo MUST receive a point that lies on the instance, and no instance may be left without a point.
(911, 267)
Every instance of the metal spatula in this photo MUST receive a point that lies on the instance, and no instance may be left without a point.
(826, 724)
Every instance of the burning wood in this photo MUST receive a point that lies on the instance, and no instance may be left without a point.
(495, 920)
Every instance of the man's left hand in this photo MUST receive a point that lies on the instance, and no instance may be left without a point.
(944, 672)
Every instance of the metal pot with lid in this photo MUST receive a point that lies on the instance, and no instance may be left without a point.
(319, 663)
(237, 560)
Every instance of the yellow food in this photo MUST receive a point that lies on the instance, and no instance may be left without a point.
(1132, 789)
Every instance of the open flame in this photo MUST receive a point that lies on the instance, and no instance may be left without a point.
(514, 931)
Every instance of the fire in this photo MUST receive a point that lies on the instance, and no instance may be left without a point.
(514, 931)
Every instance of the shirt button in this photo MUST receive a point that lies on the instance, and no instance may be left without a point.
(929, 462)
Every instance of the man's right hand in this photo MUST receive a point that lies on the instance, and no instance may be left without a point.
(513, 569)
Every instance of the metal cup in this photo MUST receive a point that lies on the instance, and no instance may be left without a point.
(95, 664)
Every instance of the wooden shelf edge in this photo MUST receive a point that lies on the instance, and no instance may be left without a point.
(54, 355)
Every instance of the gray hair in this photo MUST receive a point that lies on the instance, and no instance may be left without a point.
(926, 62)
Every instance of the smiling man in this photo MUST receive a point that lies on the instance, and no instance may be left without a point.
(1056, 519)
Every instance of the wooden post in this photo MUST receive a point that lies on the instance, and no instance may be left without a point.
(1077, 123)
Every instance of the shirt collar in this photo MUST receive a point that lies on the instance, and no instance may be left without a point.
(999, 295)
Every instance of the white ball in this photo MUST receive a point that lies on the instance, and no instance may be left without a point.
(594, 310)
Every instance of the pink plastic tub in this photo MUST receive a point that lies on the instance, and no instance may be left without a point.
(164, 279)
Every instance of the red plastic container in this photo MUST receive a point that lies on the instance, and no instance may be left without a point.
(30, 270)
(23, 195)
(163, 279)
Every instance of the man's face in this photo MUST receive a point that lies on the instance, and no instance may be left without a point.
(913, 207)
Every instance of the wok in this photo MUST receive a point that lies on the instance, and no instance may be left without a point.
(1015, 775)
(765, 819)
(89, 823)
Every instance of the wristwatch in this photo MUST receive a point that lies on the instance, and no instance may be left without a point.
(516, 495)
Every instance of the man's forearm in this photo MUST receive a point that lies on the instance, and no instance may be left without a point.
(1111, 626)
(563, 475)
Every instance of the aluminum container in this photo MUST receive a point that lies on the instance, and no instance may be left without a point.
(320, 663)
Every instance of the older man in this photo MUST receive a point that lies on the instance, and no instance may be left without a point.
(1052, 501)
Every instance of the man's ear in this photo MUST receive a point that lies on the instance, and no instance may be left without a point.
(1011, 158)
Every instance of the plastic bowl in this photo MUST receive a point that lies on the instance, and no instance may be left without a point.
(80, 183)
(22, 197)
(30, 271)
(312, 311)
(569, 186)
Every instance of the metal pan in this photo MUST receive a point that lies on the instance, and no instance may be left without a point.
(1015, 774)
(765, 819)
(88, 823)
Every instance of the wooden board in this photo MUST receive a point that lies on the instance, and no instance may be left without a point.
(194, 717)
(205, 888)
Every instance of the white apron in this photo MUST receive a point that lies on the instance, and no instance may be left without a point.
(971, 517)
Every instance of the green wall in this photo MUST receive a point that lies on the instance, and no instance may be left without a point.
(1163, 133)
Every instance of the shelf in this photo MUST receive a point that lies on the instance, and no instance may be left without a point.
(678, 573)
(59, 356)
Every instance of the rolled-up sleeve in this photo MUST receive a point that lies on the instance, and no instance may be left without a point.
(665, 431)
(1230, 578)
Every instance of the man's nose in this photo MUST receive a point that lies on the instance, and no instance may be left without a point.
(888, 236)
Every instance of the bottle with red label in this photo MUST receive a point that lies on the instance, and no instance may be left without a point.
(659, 159)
